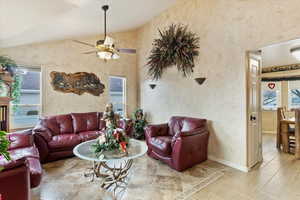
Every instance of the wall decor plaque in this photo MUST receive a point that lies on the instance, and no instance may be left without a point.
(77, 83)
(280, 68)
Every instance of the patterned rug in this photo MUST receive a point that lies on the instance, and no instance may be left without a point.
(149, 179)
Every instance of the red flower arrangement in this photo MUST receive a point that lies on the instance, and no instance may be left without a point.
(111, 140)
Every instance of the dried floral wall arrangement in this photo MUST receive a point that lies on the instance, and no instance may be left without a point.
(176, 46)
(77, 83)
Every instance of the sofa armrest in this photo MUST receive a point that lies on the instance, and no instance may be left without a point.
(6, 165)
(42, 131)
(15, 181)
(42, 146)
(20, 139)
(156, 130)
(190, 149)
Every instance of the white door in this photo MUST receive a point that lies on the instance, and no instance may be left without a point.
(254, 111)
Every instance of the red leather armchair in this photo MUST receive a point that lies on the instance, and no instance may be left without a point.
(182, 143)
(56, 136)
(23, 171)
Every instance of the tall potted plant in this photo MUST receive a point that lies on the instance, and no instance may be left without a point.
(139, 124)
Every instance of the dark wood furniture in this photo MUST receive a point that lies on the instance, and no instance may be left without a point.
(5, 81)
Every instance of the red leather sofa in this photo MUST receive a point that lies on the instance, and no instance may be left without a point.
(23, 171)
(181, 143)
(56, 136)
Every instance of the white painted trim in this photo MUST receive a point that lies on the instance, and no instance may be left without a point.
(269, 132)
(229, 164)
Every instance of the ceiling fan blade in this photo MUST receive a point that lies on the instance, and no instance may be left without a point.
(84, 43)
(130, 51)
(90, 52)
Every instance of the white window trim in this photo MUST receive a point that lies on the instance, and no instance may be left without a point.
(278, 96)
(124, 103)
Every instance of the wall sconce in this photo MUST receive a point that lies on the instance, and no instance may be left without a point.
(152, 85)
(200, 80)
(296, 52)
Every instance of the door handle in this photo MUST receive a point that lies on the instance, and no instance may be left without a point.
(252, 118)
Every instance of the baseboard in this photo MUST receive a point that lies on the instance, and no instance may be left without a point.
(229, 164)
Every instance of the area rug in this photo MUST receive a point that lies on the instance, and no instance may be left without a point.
(149, 179)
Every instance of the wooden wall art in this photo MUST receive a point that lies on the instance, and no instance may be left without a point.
(77, 83)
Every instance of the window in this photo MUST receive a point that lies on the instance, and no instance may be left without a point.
(294, 94)
(271, 95)
(117, 94)
(26, 112)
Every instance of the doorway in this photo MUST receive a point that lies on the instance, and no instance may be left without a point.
(273, 84)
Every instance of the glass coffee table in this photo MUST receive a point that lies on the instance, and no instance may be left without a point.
(113, 170)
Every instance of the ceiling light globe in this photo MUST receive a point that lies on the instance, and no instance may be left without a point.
(104, 55)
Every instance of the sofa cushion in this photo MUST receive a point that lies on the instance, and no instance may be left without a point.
(65, 124)
(89, 135)
(25, 152)
(64, 142)
(161, 145)
(51, 123)
(85, 122)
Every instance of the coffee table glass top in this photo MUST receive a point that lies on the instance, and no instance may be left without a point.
(84, 151)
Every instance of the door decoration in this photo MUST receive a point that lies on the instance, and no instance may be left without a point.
(77, 83)
(176, 47)
(271, 85)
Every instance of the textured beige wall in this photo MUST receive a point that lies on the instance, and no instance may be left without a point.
(227, 29)
(66, 56)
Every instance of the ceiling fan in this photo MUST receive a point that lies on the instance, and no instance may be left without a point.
(106, 49)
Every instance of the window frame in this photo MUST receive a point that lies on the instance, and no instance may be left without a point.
(40, 105)
(278, 92)
(290, 107)
(124, 95)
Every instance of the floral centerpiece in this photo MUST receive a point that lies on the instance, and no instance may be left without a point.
(114, 140)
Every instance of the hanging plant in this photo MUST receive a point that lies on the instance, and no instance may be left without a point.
(9, 65)
(176, 46)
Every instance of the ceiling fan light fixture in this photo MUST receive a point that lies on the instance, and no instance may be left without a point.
(107, 55)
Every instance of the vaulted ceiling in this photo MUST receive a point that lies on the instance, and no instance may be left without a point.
(30, 21)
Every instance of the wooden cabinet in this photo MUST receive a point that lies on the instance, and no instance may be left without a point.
(5, 98)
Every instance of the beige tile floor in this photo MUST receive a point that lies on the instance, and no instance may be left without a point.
(277, 178)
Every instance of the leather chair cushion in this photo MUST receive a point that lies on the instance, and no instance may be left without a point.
(64, 142)
(175, 125)
(161, 145)
(89, 135)
(65, 124)
(85, 122)
(19, 140)
(190, 124)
